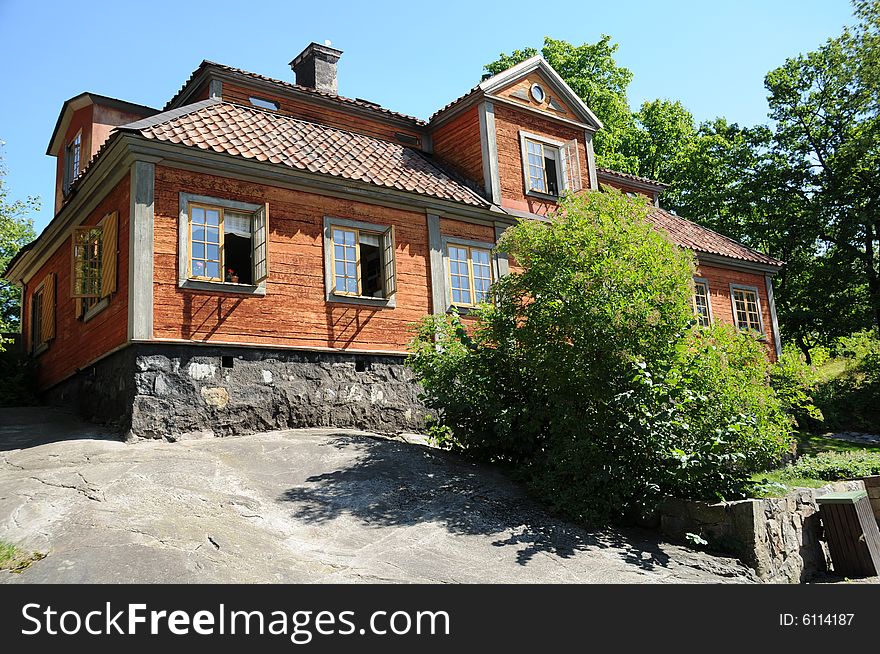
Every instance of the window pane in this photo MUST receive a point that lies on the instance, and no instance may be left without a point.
(212, 269)
(338, 236)
(212, 217)
(701, 304)
(213, 253)
(197, 214)
(198, 233)
(198, 250)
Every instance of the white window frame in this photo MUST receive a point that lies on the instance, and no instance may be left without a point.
(705, 283)
(183, 251)
(330, 295)
(752, 289)
(69, 173)
(447, 269)
(561, 173)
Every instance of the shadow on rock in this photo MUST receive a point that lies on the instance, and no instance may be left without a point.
(395, 484)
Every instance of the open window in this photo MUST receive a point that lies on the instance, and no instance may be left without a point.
(360, 261)
(93, 278)
(224, 243)
(550, 167)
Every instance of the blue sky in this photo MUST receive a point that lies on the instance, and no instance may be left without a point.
(412, 57)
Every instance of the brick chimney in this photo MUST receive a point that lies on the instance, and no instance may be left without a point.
(315, 67)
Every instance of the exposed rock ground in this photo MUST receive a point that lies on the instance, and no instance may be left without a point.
(295, 506)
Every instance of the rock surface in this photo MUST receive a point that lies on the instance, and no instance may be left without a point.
(315, 505)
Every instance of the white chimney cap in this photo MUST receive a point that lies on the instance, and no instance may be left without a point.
(327, 42)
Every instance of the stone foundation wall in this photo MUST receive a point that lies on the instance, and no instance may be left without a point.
(103, 392)
(779, 537)
(172, 391)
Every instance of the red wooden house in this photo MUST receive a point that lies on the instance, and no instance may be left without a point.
(254, 255)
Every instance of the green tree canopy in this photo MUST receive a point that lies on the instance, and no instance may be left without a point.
(16, 230)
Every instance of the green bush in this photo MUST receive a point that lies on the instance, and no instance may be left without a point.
(17, 387)
(587, 378)
(795, 382)
(850, 400)
(835, 466)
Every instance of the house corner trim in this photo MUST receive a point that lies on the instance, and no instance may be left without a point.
(489, 146)
(777, 339)
(438, 273)
(140, 251)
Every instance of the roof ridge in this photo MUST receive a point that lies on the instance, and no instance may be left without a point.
(169, 115)
(366, 104)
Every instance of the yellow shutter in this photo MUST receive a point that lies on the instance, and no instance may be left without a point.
(108, 255)
(48, 309)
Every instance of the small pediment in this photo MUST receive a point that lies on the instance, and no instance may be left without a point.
(536, 92)
(534, 84)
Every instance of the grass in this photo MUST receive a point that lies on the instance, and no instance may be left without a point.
(775, 483)
(15, 559)
(812, 444)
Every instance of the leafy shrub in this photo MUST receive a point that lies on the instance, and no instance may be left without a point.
(835, 466)
(587, 378)
(850, 400)
(795, 382)
(16, 377)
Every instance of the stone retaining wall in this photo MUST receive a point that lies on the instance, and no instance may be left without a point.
(779, 537)
(175, 391)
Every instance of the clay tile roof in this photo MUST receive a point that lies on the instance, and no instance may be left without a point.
(455, 102)
(264, 136)
(607, 172)
(359, 102)
(701, 239)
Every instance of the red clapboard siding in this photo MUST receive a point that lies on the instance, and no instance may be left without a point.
(294, 310)
(720, 280)
(457, 145)
(77, 344)
(508, 124)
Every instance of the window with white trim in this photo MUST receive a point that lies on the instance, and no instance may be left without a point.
(747, 309)
(72, 161)
(550, 167)
(227, 242)
(361, 262)
(701, 302)
(470, 274)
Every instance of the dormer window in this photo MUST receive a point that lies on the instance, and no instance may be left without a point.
(550, 167)
(72, 157)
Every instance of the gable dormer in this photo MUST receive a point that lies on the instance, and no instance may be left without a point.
(84, 124)
(535, 138)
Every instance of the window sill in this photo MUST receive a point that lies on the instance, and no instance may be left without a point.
(362, 300)
(223, 287)
(37, 351)
(95, 310)
(543, 196)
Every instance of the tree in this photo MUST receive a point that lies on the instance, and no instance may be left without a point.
(16, 230)
(825, 152)
(664, 128)
(592, 72)
(587, 377)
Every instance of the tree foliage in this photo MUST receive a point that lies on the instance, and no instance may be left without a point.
(16, 230)
(587, 377)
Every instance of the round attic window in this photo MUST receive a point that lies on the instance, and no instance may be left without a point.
(537, 92)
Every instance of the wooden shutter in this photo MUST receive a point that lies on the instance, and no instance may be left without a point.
(573, 182)
(108, 254)
(388, 262)
(47, 309)
(260, 244)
